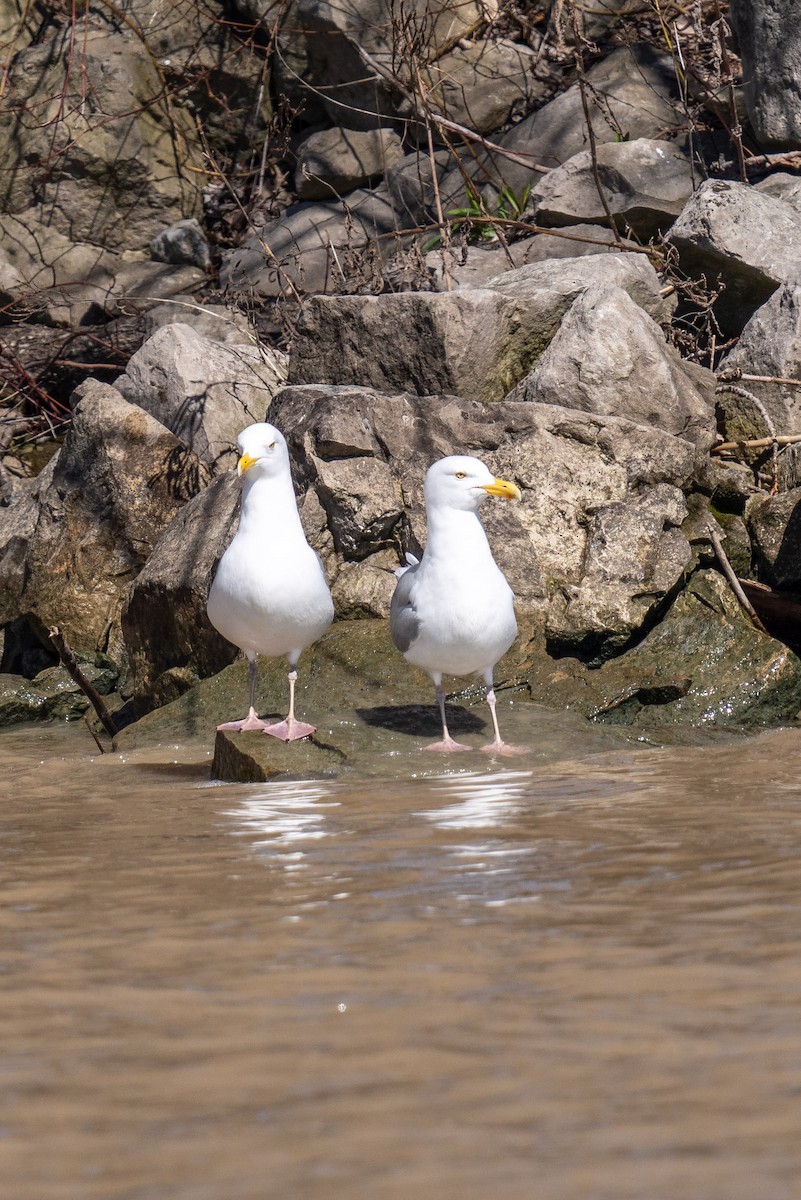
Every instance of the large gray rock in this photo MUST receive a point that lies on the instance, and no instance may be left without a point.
(592, 551)
(704, 664)
(645, 186)
(477, 343)
(770, 345)
(337, 161)
(631, 94)
(169, 639)
(610, 357)
(749, 240)
(768, 33)
(483, 84)
(475, 265)
(99, 509)
(67, 283)
(204, 391)
(313, 247)
(774, 523)
(320, 66)
(118, 167)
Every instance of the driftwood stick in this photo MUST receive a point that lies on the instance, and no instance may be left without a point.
(734, 582)
(67, 656)
(783, 439)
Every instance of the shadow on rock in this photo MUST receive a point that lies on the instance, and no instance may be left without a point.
(421, 720)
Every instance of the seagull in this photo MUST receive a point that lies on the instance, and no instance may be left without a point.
(452, 613)
(269, 595)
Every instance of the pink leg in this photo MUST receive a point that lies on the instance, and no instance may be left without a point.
(447, 745)
(251, 722)
(498, 746)
(290, 730)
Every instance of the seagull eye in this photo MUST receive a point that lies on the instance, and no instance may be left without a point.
(461, 475)
(271, 446)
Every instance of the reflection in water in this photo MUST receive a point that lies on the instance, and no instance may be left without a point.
(483, 800)
(283, 816)
(488, 870)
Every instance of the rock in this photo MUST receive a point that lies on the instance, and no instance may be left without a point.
(608, 356)
(774, 523)
(68, 283)
(593, 551)
(341, 160)
(217, 322)
(770, 345)
(164, 621)
(182, 243)
(782, 186)
(313, 248)
(410, 186)
(475, 265)
(749, 240)
(118, 169)
(203, 391)
(645, 183)
(601, 19)
(735, 674)
(374, 714)
(634, 96)
(100, 507)
(476, 343)
(483, 84)
(320, 65)
(769, 42)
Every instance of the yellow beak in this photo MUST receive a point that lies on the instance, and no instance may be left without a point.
(245, 463)
(502, 487)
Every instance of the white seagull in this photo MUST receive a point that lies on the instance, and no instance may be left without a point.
(453, 612)
(269, 595)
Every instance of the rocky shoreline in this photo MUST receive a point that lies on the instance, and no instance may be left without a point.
(593, 287)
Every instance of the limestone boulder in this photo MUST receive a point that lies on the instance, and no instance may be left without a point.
(774, 523)
(168, 637)
(610, 357)
(74, 542)
(321, 62)
(592, 552)
(748, 240)
(337, 161)
(483, 84)
(65, 283)
(769, 346)
(475, 264)
(634, 95)
(704, 664)
(313, 248)
(645, 184)
(204, 391)
(769, 41)
(477, 343)
(111, 172)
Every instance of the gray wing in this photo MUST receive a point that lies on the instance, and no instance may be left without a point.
(404, 624)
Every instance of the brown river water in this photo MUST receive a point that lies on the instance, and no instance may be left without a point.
(577, 981)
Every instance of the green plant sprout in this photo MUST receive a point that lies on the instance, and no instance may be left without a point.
(476, 222)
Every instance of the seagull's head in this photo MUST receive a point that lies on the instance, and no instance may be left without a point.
(463, 482)
(262, 451)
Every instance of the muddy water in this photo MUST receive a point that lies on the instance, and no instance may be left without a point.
(581, 982)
